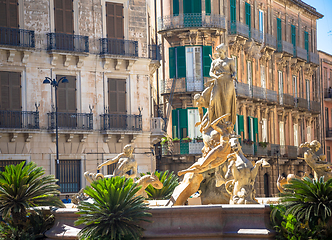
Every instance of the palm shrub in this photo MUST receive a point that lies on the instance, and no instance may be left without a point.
(305, 210)
(114, 212)
(169, 180)
(23, 187)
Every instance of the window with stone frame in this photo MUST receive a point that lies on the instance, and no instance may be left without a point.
(9, 16)
(63, 15)
(69, 175)
(114, 20)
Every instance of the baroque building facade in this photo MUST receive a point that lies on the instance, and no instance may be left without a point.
(105, 51)
(274, 45)
(326, 74)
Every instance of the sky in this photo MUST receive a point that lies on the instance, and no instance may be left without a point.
(324, 25)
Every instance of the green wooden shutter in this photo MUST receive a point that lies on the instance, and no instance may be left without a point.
(207, 50)
(187, 6)
(279, 36)
(175, 7)
(233, 10)
(249, 128)
(293, 28)
(171, 65)
(248, 17)
(306, 43)
(240, 123)
(197, 6)
(181, 61)
(175, 123)
(204, 110)
(183, 123)
(207, 7)
(255, 129)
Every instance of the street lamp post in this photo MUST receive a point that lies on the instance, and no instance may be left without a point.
(54, 83)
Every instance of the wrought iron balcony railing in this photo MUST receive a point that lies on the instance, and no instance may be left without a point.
(121, 47)
(257, 35)
(19, 119)
(188, 84)
(329, 132)
(328, 93)
(301, 53)
(291, 152)
(315, 106)
(71, 121)
(157, 125)
(286, 47)
(313, 58)
(271, 96)
(121, 122)
(154, 52)
(302, 103)
(270, 41)
(238, 28)
(288, 100)
(17, 37)
(67, 42)
(191, 20)
(258, 93)
(242, 90)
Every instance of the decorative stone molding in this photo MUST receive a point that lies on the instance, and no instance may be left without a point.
(106, 63)
(133, 138)
(69, 137)
(10, 55)
(309, 69)
(66, 60)
(252, 50)
(13, 137)
(107, 137)
(120, 138)
(83, 137)
(118, 63)
(130, 64)
(80, 61)
(28, 137)
(25, 57)
(54, 58)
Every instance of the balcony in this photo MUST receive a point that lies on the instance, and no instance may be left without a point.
(313, 58)
(183, 85)
(315, 107)
(261, 150)
(120, 122)
(248, 148)
(270, 41)
(17, 37)
(328, 94)
(271, 96)
(238, 28)
(191, 20)
(301, 53)
(182, 148)
(288, 100)
(71, 121)
(257, 35)
(291, 152)
(258, 93)
(285, 47)
(158, 126)
(329, 133)
(242, 90)
(302, 103)
(154, 52)
(19, 119)
(67, 42)
(121, 47)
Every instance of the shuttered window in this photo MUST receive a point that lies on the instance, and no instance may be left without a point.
(172, 63)
(175, 7)
(192, 6)
(181, 61)
(180, 123)
(248, 17)
(114, 20)
(293, 31)
(207, 51)
(306, 43)
(233, 10)
(67, 95)
(63, 14)
(207, 7)
(70, 176)
(279, 36)
(253, 129)
(10, 94)
(9, 13)
(117, 96)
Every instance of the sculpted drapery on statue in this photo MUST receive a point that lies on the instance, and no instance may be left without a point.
(223, 97)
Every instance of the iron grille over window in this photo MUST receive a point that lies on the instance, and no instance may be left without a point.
(5, 163)
(111, 168)
(69, 176)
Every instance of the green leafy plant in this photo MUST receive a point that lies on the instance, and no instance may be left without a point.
(115, 211)
(199, 139)
(164, 140)
(23, 187)
(187, 139)
(176, 140)
(248, 141)
(263, 144)
(169, 180)
(305, 211)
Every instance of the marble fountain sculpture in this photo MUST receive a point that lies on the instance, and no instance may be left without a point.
(228, 177)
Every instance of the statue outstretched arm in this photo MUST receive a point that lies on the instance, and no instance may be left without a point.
(111, 161)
